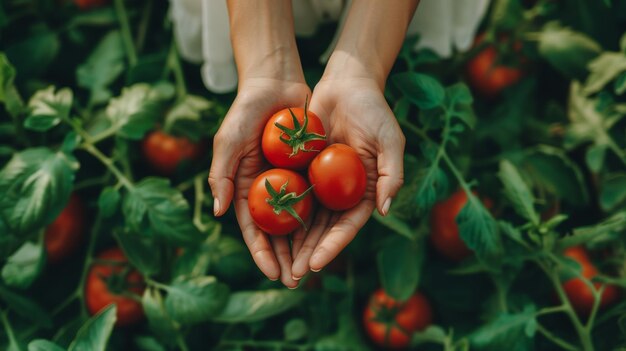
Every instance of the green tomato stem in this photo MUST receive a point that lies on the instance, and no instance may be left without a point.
(127, 39)
(7, 328)
(555, 339)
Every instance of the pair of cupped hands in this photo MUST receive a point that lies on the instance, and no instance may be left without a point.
(354, 112)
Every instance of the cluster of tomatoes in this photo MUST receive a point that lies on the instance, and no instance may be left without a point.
(280, 199)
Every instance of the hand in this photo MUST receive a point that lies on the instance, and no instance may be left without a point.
(238, 160)
(355, 113)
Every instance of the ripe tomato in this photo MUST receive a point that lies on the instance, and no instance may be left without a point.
(444, 232)
(488, 77)
(292, 138)
(579, 293)
(338, 177)
(279, 201)
(165, 152)
(64, 235)
(89, 4)
(390, 323)
(107, 284)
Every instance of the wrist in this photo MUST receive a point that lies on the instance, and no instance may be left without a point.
(345, 65)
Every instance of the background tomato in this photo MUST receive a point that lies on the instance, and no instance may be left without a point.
(578, 292)
(338, 177)
(486, 75)
(305, 142)
(390, 323)
(444, 232)
(107, 284)
(298, 203)
(89, 4)
(64, 235)
(165, 152)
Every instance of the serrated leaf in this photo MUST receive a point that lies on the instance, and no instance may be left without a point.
(479, 230)
(399, 266)
(94, 334)
(25, 308)
(595, 156)
(108, 201)
(160, 322)
(604, 69)
(513, 332)
(422, 90)
(44, 345)
(613, 191)
(103, 66)
(25, 265)
(36, 184)
(142, 252)
(620, 84)
(47, 108)
(459, 104)
(8, 93)
(518, 192)
(432, 182)
(195, 300)
(135, 111)
(253, 306)
(506, 14)
(154, 208)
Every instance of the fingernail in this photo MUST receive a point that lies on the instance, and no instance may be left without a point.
(216, 206)
(313, 270)
(386, 206)
(275, 279)
(295, 278)
(294, 288)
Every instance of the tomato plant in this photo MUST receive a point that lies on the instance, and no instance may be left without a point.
(390, 323)
(66, 233)
(338, 177)
(112, 281)
(279, 201)
(444, 231)
(292, 138)
(165, 153)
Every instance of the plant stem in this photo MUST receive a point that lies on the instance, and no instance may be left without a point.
(143, 25)
(555, 339)
(8, 329)
(127, 37)
(180, 341)
(88, 260)
(173, 62)
(109, 164)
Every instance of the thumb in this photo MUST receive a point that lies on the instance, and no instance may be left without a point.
(226, 157)
(390, 171)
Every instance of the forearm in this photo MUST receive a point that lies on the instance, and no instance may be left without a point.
(371, 39)
(263, 40)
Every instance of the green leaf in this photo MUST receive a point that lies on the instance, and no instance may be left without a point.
(396, 224)
(432, 334)
(104, 16)
(44, 345)
(424, 91)
(552, 170)
(25, 308)
(432, 182)
(195, 300)
(141, 251)
(334, 284)
(620, 84)
(506, 14)
(479, 230)
(513, 332)
(95, 333)
(8, 93)
(613, 191)
(108, 201)
(253, 306)
(595, 156)
(190, 109)
(399, 265)
(604, 69)
(566, 50)
(295, 330)
(155, 208)
(33, 55)
(160, 322)
(103, 66)
(148, 343)
(70, 142)
(36, 184)
(459, 104)
(47, 108)
(518, 192)
(24, 266)
(135, 111)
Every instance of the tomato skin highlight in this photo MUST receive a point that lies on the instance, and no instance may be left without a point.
(263, 213)
(444, 231)
(338, 177)
(165, 152)
(405, 318)
(579, 293)
(98, 295)
(278, 153)
(65, 234)
(488, 77)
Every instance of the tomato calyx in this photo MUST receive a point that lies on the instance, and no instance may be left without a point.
(298, 136)
(283, 201)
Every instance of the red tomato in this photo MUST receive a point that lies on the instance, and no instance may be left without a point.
(165, 152)
(107, 284)
(338, 177)
(89, 4)
(293, 146)
(390, 323)
(488, 77)
(64, 235)
(283, 211)
(579, 293)
(444, 232)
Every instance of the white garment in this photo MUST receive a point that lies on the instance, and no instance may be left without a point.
(202, 32)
